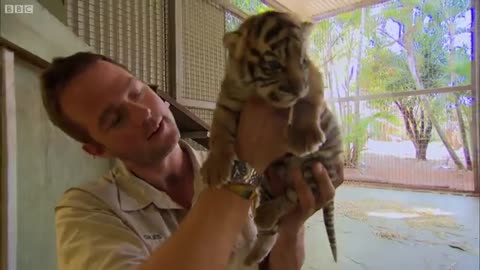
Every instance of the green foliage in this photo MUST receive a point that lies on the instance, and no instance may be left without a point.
(382, 70)
(358, 129)
(231, 22)
(251, 7)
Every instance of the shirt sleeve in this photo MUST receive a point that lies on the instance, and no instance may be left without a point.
(89, 236)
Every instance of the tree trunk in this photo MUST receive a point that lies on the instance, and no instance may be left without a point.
(453, 81)
(421, 151)
(463, 133)
(408, 39)
(419, 133)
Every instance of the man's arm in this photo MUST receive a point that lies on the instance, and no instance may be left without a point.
(288, 252)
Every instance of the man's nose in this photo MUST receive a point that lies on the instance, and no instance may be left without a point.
(140, 113)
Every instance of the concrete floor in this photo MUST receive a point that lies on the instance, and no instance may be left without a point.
(407, 232)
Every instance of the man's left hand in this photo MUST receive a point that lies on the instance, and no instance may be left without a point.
(308, 203)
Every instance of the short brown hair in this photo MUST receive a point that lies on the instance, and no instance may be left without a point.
(53, 82)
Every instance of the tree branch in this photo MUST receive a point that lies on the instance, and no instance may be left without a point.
(405, 121)
(394, 40)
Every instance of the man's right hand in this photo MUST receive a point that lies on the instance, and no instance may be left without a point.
(262, 134)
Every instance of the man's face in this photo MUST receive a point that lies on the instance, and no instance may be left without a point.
(122, 114)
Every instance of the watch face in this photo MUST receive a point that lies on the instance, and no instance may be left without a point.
(240, 171)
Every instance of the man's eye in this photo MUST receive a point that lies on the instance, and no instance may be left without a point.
(138, 93)
(305, 62)
(117, 119)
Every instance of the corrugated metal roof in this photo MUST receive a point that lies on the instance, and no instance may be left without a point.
(320, 9)
(308, 9)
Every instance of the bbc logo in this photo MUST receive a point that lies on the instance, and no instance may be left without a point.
(18, 9)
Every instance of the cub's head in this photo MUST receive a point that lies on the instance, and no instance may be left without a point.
(268, 53)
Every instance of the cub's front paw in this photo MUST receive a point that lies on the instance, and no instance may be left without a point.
(216, 170)
(305, 140)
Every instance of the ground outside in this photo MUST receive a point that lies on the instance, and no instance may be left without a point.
(386, 229)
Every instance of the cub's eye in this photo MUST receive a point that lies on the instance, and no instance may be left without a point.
(274, 65)
(305, 62)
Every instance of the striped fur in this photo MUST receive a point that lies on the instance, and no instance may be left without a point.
(267, 57)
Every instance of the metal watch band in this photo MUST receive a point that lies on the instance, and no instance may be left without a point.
(242, 172)
(244, 190)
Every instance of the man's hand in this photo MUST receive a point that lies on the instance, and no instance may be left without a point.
(288, 253)
(308, 203)
(262, 134)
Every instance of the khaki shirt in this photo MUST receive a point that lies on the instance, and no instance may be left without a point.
(117, 221)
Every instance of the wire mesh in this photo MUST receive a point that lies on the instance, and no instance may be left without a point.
(204, 114)
(204, 55)
(133, 33)
(195, 145)
(418, 141)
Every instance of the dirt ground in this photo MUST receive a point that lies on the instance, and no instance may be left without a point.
(403, 171)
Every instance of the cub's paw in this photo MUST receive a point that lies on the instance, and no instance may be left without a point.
(216, 170)
(305, 140)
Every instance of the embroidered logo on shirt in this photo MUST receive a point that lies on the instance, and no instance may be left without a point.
(152, 236)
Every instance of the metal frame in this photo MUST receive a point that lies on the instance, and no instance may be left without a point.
(175, 49)
(476, 94)
(474, 88)
(9, 161)
(404, 94)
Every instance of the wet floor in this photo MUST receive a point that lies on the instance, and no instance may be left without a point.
(381, 229)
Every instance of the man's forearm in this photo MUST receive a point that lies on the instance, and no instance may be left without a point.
(288, 253)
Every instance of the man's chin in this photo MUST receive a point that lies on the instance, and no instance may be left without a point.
(165, 146)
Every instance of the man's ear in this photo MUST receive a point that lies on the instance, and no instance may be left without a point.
(94, 149)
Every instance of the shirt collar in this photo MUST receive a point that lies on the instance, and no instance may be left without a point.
(134, 193)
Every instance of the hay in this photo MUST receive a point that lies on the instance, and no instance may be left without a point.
(390, 235)
(431, 222)
(429, 219)
(441, 224)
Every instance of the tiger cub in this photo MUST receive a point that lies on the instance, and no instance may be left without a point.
(267, 57)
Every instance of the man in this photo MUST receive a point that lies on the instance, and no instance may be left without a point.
(151, 211)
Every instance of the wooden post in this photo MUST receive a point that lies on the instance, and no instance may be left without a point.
(8, 160)
(175, 49)
(476, 95)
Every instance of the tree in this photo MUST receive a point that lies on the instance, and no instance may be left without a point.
(410, 30)
(458, 63)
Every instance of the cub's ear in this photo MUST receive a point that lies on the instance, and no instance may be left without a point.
(307, 28)
(230, 39)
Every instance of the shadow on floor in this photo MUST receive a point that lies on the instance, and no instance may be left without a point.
(380, 229)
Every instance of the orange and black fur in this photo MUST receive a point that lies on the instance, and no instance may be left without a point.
(267, 57)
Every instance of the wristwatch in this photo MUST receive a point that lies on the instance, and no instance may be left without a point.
(243, 180)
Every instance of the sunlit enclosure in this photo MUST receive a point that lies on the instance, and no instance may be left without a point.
(399, 76)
